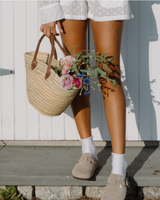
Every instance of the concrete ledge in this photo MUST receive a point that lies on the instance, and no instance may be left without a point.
(52, 166)
(73, 143)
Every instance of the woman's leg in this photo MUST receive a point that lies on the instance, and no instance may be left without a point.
(75, 34)
(107, 38)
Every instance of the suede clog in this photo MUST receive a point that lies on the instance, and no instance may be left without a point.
(116, 188)
(85, 167)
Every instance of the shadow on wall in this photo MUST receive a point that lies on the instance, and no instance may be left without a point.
(144, 110)
(137, 35)
(139, 98)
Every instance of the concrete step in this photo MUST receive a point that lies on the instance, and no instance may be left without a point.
(52, 166)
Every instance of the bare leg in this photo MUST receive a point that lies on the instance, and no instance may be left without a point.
(107, 38)
(75, 34)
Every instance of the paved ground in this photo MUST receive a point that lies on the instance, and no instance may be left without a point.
(46, 165)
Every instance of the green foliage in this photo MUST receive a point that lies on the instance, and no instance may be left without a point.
(83, 68)
(83, 64)
(10, 193)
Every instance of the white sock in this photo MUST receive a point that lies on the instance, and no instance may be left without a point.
(89, 147)
(119, 164)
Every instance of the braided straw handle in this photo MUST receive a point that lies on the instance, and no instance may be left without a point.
(53, 52)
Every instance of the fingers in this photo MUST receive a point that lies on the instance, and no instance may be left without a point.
(60, 26)
(41, 28)
(53, 30)
(51, 27)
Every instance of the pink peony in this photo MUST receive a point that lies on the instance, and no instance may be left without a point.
(67, 81)
(64, 72)
(67, 62)
(78, 82)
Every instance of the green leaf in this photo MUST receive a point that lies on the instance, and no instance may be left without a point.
(84, 70)
(104, 54)
(113, 58)
(95, 72)
(107, 68)
(105, 77)
(100, 71)
(72, 49)
(79, 55)
(114, 83)
(75, 69)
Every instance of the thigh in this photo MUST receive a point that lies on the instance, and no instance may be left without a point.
(74, 34)
(107, 39)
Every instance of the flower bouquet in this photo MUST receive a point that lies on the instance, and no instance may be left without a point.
(79, 72)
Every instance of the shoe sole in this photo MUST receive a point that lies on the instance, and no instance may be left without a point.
(85, 179)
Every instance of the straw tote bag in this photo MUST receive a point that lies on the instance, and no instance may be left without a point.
(44, 89)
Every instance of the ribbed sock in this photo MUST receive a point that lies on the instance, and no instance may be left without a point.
(119, 164)
(89, 147)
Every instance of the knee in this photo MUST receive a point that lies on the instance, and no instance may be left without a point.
(106, 86)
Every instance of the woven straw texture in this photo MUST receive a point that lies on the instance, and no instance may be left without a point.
(46, 96)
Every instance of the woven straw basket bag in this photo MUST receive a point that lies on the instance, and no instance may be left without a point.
(44, 89)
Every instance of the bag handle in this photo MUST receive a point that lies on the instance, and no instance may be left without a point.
(53, 52)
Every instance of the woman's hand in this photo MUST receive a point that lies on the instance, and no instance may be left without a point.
(51, 27)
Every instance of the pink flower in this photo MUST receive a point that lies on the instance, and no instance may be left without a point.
(77, 82)
(67, 62)
(64, 71)
(75, 75)
(67, 81)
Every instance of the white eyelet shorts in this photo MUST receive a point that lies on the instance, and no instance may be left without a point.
(97, 10)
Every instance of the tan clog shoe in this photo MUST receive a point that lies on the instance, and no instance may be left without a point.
(85, 167)
(116, 188)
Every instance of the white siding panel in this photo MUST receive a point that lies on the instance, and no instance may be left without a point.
(71, 132)
(32, 37)
(98, 121)
(0, 67)
(20, 79)
(45, 127)
(131, 84)
(145, 99)
(58, 128)
(7, 63)
(155, 71)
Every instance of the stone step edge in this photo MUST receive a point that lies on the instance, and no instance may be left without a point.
(75, 192)
(72, 143)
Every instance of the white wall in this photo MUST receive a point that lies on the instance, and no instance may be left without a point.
(19, 33)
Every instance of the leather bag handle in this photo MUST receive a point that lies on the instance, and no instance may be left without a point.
(53, 52)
